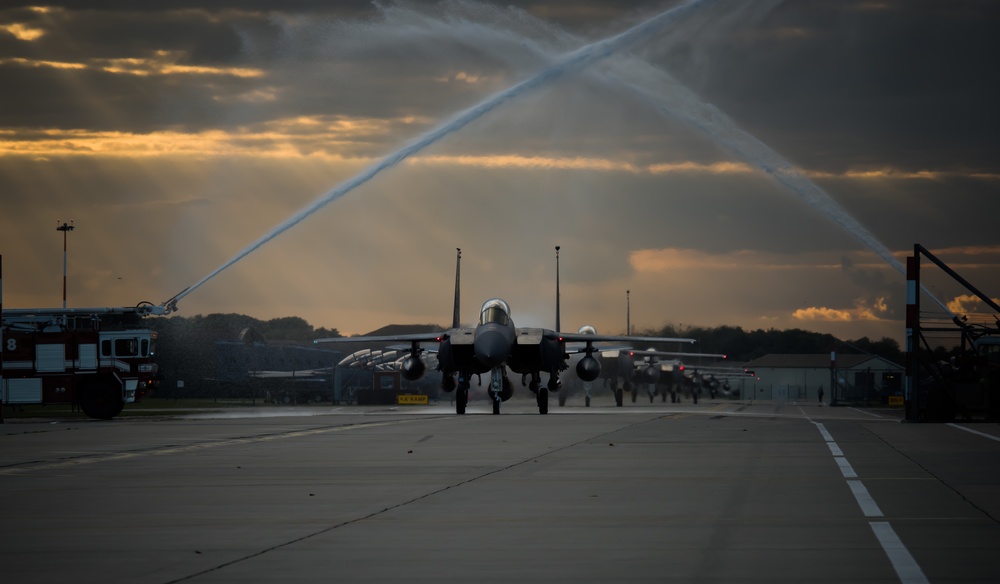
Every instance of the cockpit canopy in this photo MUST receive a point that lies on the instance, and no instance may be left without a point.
(496, 311)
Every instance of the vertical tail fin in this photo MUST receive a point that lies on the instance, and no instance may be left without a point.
(458, 271)
(558, 328)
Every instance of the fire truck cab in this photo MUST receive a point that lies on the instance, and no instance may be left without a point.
(57, 360)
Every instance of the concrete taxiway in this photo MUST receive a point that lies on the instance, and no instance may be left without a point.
(715, 492)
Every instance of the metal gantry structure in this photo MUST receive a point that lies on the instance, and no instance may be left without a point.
(967, 387)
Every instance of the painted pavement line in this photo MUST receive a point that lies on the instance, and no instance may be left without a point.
(174, 449)
(845, 467)
(865, 413)
(906, 567)
(903, 562)
(823, 431)
(976, 432)
(868, 505)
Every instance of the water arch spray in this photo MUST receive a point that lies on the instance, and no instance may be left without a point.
(656, 87)
(574, 61)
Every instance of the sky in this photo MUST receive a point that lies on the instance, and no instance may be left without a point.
(177, 135)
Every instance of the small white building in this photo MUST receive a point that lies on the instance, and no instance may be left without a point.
(860, 378)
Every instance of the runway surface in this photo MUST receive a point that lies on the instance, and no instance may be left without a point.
(715, 492)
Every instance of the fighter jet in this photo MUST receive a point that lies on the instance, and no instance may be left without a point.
(634, 367)
(652, 370)
(495, 346)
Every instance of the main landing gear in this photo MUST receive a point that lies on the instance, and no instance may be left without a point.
(462, 394)
(542, 393)
(500, 389)
(542, 397)
(616, 391)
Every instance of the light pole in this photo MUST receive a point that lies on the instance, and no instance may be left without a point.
(65, 228)
(628, 313)
(558, 324)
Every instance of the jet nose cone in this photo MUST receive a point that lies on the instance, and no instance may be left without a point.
(492, 348)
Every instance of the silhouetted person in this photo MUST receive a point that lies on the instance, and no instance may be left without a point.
(821, 396)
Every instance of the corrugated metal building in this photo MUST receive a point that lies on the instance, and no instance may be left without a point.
(860, 378)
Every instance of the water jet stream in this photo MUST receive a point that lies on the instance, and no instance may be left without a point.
(574, 61)
(682, 104)
(675, 101)
(660, 90)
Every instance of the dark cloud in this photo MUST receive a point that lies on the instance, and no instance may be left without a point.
(885, 85)
(125, 6)
(832, 85)
(810, 78)
(872, 281)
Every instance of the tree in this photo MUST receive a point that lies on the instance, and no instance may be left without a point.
(886, 348)
(288, 328)
(186, 346)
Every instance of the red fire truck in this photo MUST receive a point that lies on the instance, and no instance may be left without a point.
(59, 356)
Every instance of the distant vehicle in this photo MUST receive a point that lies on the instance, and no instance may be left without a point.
(60, 356)
(495, 345)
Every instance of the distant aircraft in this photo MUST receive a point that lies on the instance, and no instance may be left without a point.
(650, 369)
(715, 379)
(645, 366)
(495, 346)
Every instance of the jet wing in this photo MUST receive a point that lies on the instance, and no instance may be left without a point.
(589, 337)
(419, 337)
(581, 341)
(457, 336)
(649, 353)
(534, 336)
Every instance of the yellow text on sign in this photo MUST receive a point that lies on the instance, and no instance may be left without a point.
(895, 400)
(404, 399)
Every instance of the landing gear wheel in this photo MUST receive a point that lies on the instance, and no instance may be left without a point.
(651, 396)
(619, 397)
(587, 401)
(495, 398)
(101, 401)
(635, 394)
(461, 399)
(543, 400)
(562, 397)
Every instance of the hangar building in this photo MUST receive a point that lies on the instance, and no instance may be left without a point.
(865, 379)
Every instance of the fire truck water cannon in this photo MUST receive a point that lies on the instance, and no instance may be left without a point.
(87, 357)
(171, 304)
(78, 356)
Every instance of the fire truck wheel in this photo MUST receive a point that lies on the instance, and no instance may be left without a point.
(101, 401)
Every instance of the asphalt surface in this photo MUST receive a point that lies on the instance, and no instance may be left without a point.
(715, 492)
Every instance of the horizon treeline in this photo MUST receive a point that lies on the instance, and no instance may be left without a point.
(181, 334)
